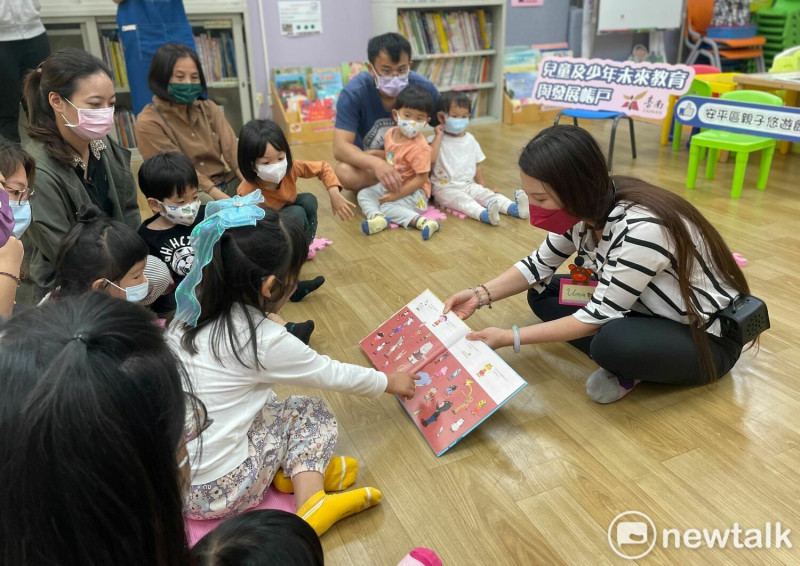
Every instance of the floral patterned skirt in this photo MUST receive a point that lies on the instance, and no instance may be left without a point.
(298, 435)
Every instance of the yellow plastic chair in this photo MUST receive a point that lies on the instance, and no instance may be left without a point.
(742, 144)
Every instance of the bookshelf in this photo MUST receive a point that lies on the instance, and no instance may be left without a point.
(458, 44)
(219, 34)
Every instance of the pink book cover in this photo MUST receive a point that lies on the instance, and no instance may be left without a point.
(460, 382)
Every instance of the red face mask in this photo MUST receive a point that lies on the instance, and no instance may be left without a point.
(556, 220)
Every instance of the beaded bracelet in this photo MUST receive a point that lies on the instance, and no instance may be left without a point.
(488, 294)
(478, 295)
(14, 277)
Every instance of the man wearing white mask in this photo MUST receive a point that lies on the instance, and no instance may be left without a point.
(364, 113)
(71, 108)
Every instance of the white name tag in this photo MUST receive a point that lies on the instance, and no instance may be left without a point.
(575, 294)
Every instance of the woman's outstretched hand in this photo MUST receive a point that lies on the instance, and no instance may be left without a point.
(463, 304)
(493, 337)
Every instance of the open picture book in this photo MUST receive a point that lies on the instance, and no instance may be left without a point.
(461, 382)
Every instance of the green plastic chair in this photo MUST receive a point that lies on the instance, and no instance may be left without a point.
(698, 88)
(742, 144)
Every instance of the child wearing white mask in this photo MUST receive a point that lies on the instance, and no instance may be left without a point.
(266, 163)
(408, 152)
(456, 175)
(169, 182)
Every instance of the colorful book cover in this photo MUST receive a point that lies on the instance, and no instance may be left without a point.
(327, 84)
(520, 86)
(461, 382)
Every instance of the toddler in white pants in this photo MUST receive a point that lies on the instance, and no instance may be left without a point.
(456, 176)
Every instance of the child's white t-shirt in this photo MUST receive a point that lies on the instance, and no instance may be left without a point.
(457, 160)
(234, 394)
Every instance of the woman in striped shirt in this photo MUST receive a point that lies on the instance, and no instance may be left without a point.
(663, 272)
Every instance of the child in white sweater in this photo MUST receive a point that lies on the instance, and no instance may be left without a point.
(234, 355)
(456, 175)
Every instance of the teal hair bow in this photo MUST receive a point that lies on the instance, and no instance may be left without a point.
(220, 215)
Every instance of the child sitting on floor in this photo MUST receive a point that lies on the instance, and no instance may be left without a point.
(457, 177)
(169, 181)
(409, 153)
(266, 163)
(247, 262)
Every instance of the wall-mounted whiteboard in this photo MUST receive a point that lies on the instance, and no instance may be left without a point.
(618, 15)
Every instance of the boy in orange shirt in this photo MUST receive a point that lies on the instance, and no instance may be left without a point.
(409, 153)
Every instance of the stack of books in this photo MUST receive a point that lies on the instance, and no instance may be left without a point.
(445, 31)
(216, 54)
(123, 122)
(455, 71)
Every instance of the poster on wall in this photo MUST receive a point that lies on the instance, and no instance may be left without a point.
(777, 122)
(299, 18)
(637, 89)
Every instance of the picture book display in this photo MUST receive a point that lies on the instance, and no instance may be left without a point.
(461, 382)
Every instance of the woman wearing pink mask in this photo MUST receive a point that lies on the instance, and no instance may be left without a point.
(660, 273)
(71, 101)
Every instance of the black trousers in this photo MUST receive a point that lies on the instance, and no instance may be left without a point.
(640, 347)
(16, 58)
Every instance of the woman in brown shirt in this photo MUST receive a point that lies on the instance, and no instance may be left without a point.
(179, 120)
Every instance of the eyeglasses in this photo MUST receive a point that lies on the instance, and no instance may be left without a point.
(197, 420)
(17, 193)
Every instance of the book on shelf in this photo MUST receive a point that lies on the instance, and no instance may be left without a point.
(216, 53)
(317, 110)
(445, 32)
(523, 58)
(327, 83)
(123, 123)
(455, 71)
(292, 89)
(114, 56)
(519, 86)
(460, 382)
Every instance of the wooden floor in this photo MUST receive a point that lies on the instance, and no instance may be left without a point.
(542, 479)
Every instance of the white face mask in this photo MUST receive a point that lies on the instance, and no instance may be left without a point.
(272, 173)
(134, 293)
(410, 128)
(182, 213)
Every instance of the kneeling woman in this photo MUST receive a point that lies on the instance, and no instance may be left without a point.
(663, 271)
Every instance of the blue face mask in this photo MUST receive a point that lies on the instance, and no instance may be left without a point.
(455, 125)
(22, 217)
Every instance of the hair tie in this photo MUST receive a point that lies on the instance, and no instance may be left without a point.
(81, 337)
(220, 215)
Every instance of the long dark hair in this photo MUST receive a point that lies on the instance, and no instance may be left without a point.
(164, 63)
(242, 260)
(571, 163)
(92, 412)
(259, 538)
(58, 73)
(253, 140)
(96, 247)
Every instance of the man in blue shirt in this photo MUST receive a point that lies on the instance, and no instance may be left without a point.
(364, 113)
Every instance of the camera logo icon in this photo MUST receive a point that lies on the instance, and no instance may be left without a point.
(632, 535)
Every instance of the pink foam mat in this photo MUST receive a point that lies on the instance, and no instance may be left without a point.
(273, 499)
(316, 245)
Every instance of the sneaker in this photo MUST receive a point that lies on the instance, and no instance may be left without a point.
(374, 225)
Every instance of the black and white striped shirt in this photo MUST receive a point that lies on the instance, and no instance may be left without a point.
(636, 268)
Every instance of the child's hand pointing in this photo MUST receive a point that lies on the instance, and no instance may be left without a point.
(401, 383)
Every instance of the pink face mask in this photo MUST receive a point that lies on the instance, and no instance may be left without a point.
(93, 123)
(556, 220)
